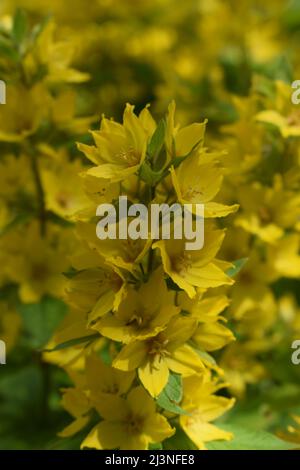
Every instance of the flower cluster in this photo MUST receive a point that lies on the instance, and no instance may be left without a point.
(149, 306)
(266, 231)
(149, 341)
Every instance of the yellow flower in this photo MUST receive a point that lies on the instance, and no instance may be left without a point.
(10, 325)
(103, 380)
(128, 424)
(285, 115)
(93, 387)
(99, 190)
(76, 402)
(205, 308)
(143, 313)
(52, 57)
(283, 258)
(120, 149)
(36, 265)
(73, 326)
(63, 187)
(293, 433)
(23, 113)
(196, 268)
(203, 406)
(16, 180)
(97, 287)
(156, 355)
(211, 334)
(198, 183)
(243, 140)
(241, 368)
(251, 291)
(181, 142)
(122, 253)
(63, 112)
(267, 211)
(290, 313)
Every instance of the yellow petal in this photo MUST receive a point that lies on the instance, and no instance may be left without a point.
(154, 376)
(200, 432)
(213, 406)
(215, 209)
(271, 117)
(105, 435)
(112, 171)
(185, 361)
(131, 356)
(111, 407)
(75, 402)
(157, 428)
(188, 137)
(135, 442)
(74, 427)
(212, 336)
(207, 276)
(140, 402)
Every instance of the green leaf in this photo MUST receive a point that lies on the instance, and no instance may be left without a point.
(9, 292)
(7, 49)
(237, 266)
(41, 320)
(172, 395)
(56, 219)
(174, 388)
(264, 86)
(247, 439)
(156, 446)
(74, 342)
(148, 175)
(178, 160)
(72, 272)
(157, 141)
(291, 15)
(179, 441)
(105, 355)
(20, 26)
(164, 402)
(207, 358)
(21, 392)
(18, 220)
(280, 68)
(39, 28)
(171, 285)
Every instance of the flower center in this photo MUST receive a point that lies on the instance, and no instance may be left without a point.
(112, 388)
(158, 347)
(294, 119)
(246, 277)
(265, 214)
(114, 280)
(132, 248)
(190, 193)
(129, 156)
(181, 263)
(39, 272)
(134, 424)
(63, 200)
(137, 320)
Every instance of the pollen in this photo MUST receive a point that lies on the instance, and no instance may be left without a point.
(182, 263)
(129, 156)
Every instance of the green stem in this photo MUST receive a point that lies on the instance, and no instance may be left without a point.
(46, 384)
(150, 262)
(40, 193)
